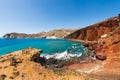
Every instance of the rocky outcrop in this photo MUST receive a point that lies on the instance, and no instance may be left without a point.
(108, 50)
(61, 33)
(24, 65)
(94, 32)
(109, 45)
(104, 39)
(16, 65)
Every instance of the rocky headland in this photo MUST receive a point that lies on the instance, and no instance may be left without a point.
(60, 33)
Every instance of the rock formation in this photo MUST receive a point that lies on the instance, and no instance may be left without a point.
(20, 65)
(104, 39)
(108, 49)
(110, 44)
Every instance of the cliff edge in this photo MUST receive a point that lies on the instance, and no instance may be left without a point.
(95, 31)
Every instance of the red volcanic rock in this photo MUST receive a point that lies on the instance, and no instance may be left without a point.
(105, 33)
(111, 46)
(94, 32)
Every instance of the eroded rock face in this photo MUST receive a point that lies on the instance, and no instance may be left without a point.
(109, 45)
(94, 32)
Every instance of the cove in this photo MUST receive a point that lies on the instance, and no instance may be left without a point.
(58, 48)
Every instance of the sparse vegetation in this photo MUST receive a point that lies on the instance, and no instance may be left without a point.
(11, 77)
(5, 66)
(23, 76)
(0, 67)
(16, 73)
(2, 77)
(14, 61)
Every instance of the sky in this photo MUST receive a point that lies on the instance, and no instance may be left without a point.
(33, 16)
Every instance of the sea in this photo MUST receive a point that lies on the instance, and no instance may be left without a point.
(57, 48)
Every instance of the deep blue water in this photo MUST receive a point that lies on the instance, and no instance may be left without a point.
(49, 46)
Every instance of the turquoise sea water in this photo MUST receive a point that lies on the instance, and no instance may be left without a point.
(49, 46)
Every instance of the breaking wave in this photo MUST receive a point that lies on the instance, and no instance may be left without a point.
(75, 50)
(62, 55)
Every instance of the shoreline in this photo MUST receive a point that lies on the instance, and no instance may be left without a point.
(57, 66)
(82, 41)
(26, 62)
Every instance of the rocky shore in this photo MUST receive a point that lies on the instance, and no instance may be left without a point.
(105, 43)
(28, 65)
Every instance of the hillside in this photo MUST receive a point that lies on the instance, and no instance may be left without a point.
(103, 39)
(107, 50)
(95, 31)
(60, 33)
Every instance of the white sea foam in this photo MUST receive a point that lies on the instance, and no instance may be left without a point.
(62, 55)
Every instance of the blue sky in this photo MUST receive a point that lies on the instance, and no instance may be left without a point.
(33, 16)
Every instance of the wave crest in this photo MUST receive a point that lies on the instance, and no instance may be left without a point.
(62, 55)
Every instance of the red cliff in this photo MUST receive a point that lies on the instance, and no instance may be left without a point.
(109, 45)
(94, 32)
